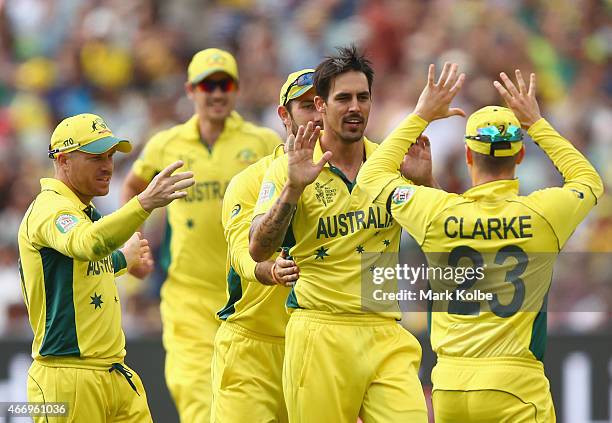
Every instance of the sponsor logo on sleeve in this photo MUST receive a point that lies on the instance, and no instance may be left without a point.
(402, 195)
(65, 222)
(235, 210)
(266, 193)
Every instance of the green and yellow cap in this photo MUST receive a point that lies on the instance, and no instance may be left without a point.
(206, 62)
(494, 131)
(85, 132)
(297, 84)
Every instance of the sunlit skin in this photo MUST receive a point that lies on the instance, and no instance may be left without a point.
(346, 111)
(215, 106)
(300, 111)
(87, 175)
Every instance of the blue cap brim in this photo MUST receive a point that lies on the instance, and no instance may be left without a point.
(301, 91)
(104, 144)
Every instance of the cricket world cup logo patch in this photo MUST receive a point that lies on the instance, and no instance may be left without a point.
(402, 194)
(325, 194)
(266, 193)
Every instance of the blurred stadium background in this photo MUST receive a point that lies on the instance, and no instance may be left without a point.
(126, 61)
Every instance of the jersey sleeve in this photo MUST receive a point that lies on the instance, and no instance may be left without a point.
(380, 175)
(237, 207)
(565, 207)
(119, 262)
(148, 164)
(414, 207)
(65, 230)
(272, 185)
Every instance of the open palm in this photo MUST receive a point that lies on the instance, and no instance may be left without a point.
(300, 150)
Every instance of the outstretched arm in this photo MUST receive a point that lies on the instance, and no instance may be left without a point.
(574, 167)
(86, 240)
(434, 103)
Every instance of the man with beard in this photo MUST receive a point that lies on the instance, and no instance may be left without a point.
(254, 319)
(216, 143)
(341, 359)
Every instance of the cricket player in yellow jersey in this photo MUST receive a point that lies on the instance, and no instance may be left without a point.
(341, 362)
(489, 350)
(216, 143)
(254, 319)
(68, 260)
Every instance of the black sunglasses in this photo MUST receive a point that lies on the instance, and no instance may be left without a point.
(210, 85)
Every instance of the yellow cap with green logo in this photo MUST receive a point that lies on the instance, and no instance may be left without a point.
(494, 131)
(297, 84)
(85, 132)
(209, 61)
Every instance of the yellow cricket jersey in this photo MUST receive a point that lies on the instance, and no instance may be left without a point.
(254, 306)
(336, 229)
(516, 237)
(195, 247)
(68, 262)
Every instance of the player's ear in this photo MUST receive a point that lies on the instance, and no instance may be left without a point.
(189, 89)
(319, 104)
(283, 113)
(61, 160)
(520, 155)
(469, 159)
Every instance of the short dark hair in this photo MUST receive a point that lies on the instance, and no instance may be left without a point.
(492, 165)
(346, 59)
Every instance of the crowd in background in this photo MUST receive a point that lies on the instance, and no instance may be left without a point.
(126, 61)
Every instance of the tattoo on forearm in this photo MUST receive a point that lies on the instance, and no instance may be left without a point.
(272, 228)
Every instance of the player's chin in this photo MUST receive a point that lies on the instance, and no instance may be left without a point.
(101, 188)
(353, 135)
(219, 115)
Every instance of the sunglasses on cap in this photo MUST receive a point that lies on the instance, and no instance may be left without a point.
(493, 134)
(302, 81)
(210, 85)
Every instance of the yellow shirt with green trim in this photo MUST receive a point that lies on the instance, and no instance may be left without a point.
(339, 236)
(68, 260)
(250, 304)
(516, 237)
(195, 248)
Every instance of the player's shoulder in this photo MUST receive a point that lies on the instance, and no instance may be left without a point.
(172, 134)
(369, 145)
(255, 172)
(50, 207)
(254, 131)
(50, 201)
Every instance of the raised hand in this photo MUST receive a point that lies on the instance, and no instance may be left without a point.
(434, 101)
(138, 256)
(416, 165)
(165, 187)
(300, 149)
(522, 101)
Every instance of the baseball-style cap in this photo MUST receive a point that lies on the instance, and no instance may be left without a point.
(85, 132)
(494, 131)
(297, 84)
(209, 61)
